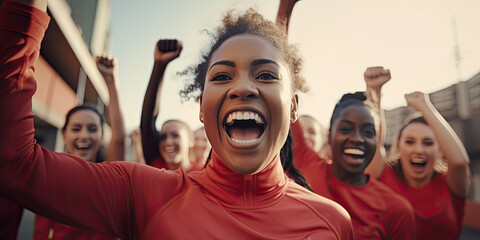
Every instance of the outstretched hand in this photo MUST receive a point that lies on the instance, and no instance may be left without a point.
(107, 67)
(376, 77)
(167, 49)
(417, 100)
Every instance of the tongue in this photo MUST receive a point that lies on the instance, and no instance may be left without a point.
(244, 133)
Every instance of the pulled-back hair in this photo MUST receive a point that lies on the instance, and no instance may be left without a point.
(85, 106)
(251, 22)
(440, 164)
(348, 99)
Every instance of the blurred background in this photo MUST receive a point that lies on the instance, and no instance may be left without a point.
(429, 46)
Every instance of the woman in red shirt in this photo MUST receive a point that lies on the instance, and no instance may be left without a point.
(377, 212)
(83, 136)
(429, 166)
(248, 82)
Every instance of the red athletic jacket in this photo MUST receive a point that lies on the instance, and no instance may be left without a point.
(134, 201)
(377, 212)
(438, 212)
(10, 217)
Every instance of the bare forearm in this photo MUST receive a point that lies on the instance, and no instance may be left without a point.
(150, 111)
(116, 148)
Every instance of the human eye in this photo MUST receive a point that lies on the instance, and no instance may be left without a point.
(409, 142)
(75, 129)
(92, 129)
(345, 129)
(428, 143)
(370, 132)
(266, 75)
(221, 77)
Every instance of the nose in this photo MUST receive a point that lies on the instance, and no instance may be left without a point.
(418, 148)
(244, 88)
(356, 137)
(83, 133)
(169, 140)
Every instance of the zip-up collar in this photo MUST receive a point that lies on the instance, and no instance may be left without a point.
(249, 191)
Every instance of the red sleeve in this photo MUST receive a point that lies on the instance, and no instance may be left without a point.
(42, 228)
(106, 197)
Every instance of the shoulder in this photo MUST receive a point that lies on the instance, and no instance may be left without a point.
(323, 207)
(393, 200)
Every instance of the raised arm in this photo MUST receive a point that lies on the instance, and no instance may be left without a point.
(108, 67)
(375, 78)
(165, 51)
(56, 185)
(458, 174)
(136, 138)
(285, 12)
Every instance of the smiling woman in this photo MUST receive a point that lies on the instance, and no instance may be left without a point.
(243, 193)
(377, 212)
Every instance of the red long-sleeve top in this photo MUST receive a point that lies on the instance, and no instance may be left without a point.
(377, 212)
(438, 211)
(134, 201)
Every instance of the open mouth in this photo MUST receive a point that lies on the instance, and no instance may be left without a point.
(244, 127)
(354, 155)
(418, 162)
(83, 146)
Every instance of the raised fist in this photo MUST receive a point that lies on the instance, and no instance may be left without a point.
(167, 49)
(376, 77)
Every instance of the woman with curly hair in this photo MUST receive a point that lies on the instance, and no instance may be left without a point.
(248, 82)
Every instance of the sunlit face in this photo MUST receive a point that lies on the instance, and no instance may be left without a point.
(418, 150)
(312, 133)
(353, 139)
(174, 144)
(83, 135)
(247, 102)
(201, 146)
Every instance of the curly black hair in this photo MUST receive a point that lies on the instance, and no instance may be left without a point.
(251, 22)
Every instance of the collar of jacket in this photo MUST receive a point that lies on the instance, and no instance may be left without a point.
(247, 191)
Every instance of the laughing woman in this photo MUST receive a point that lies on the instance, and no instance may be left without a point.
(429, 165)
(377, 212)
(248, 82)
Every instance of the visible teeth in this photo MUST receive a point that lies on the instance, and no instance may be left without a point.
(83, 145)
(418, 160)
(244, 141)
(244, 115)
(354, 151)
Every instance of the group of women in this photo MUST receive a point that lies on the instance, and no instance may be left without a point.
(247, 84)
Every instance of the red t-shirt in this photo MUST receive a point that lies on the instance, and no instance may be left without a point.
(134, 201)
(438, 212)
(376, 211)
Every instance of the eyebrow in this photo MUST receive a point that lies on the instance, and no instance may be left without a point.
(256, 62)
(226, 63)
(263, 61)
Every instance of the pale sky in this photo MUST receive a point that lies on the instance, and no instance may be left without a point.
(337, 39)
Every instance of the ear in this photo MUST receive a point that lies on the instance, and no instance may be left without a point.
(200, 115)
(294, 108)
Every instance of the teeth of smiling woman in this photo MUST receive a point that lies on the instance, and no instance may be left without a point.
(82, 145)
(244, 115)
(418, 160)
(354, 151)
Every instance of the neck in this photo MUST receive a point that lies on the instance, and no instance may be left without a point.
(353, 179)
(185, 165)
